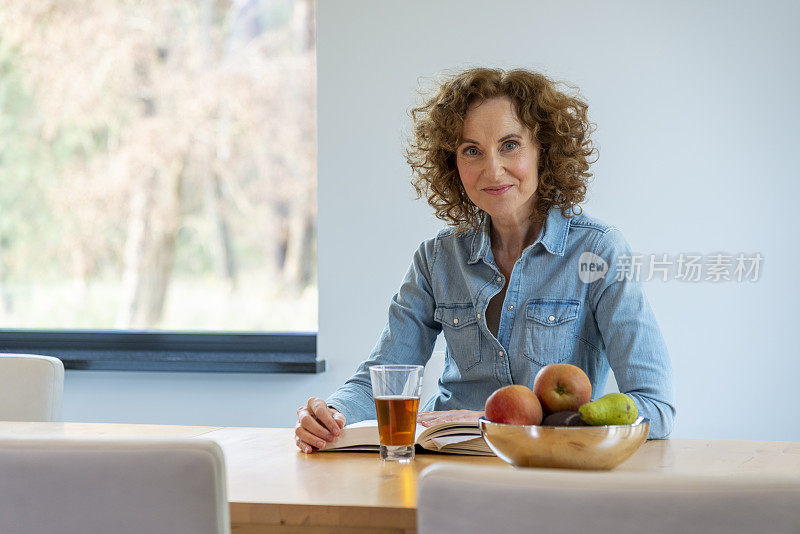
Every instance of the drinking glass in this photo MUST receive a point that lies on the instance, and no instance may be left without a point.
(396, 389)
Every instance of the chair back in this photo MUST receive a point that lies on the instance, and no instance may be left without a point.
(79, 486)
(463, 499)
(31, 387)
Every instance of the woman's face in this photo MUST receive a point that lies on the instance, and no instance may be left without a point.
(498, 161)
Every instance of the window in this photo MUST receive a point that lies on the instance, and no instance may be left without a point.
(158, 164)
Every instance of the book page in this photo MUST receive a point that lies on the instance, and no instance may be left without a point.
(469, 428)
(363, 433)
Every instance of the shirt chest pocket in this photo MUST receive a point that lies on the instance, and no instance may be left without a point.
(550, 328)
(461, 331)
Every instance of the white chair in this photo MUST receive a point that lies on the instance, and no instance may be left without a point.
(463, 499)
(31, 387)
(112, 486)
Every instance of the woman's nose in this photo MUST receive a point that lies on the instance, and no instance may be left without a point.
(493, 166)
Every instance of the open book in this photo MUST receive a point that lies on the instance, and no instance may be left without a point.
(461, 437)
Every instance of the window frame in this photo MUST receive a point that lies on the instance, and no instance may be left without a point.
(168, 350)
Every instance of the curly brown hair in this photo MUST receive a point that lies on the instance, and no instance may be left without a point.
(557, 121)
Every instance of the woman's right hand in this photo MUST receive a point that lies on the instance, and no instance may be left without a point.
(317, 424)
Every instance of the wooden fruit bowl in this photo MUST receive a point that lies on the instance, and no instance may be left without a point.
(571, 447)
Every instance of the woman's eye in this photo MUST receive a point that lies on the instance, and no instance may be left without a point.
(471, 151)
(510, 145)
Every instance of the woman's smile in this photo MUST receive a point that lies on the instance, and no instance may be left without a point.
(497, 191)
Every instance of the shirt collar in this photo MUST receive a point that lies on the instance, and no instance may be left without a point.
(553, 237)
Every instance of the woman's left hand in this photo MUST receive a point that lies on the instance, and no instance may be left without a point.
(432, 418)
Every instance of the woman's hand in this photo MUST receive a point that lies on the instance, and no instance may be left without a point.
(432, 418)
(316, 425)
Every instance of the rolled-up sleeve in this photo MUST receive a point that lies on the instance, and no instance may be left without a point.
(634, 346)
(407, 338)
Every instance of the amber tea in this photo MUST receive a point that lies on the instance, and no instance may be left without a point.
(397, 419)
(396, 390)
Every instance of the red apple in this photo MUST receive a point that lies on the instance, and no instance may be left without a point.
(561, 386)
(514, 405)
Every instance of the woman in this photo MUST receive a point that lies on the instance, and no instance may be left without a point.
(519, 280)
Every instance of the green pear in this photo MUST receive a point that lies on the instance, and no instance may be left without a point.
(611, 409)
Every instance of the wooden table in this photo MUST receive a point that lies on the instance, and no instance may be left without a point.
(274, 488)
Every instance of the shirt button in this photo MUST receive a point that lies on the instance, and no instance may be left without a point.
(510, 308)
(479, 316)
(551, 318)
(455, 321)
(499, 279)
(500, 353)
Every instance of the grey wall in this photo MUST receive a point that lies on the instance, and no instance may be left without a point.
(697, 127)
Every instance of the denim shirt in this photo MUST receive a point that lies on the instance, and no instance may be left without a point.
(551, 314)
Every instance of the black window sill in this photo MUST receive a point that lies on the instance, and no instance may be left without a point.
(222, 352)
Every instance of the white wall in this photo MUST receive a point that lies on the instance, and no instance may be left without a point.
(697, 126)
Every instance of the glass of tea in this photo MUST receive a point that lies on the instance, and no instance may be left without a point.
(396, 389)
